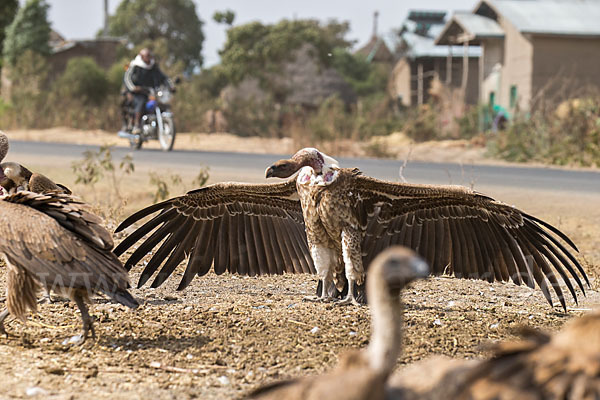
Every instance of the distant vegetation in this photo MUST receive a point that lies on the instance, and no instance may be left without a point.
(88, 97)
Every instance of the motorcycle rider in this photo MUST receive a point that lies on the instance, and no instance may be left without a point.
(143, 73)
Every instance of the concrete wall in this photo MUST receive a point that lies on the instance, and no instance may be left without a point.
(564, 67)
(103, 52)
(404, 82)
(517, 69)
(400, 87)
(492, 62)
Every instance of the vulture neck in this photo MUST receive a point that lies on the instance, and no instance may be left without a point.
(386, 320)
(320, 162)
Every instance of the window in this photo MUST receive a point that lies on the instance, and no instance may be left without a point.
(492, 98)
(513, 96)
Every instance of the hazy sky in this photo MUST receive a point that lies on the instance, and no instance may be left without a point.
(79, 19)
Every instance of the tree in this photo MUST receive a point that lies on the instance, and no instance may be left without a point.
(255, 49)
(8, 9)
(174, 21)
(30, 30)
(366, 78)
(224, 17)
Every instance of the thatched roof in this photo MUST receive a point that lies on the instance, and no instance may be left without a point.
(304, 81)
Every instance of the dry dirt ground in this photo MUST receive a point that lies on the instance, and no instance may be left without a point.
(225, 335)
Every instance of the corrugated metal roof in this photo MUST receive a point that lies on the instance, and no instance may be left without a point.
(555, 17)
(478, 25)
(420, 46)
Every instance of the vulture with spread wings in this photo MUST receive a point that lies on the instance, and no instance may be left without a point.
(333, 220)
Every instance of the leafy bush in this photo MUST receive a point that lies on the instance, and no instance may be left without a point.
(423, 123)
(84, 80)
(364, 77)
(568, 135)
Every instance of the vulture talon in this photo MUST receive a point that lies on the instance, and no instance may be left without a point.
(318, 299)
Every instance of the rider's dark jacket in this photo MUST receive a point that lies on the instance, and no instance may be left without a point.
(146, 75)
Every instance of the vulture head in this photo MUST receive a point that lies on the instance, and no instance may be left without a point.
(307, 157)
(13, 176)
(389, 273)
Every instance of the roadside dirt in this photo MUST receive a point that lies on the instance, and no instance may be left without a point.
(225, 335)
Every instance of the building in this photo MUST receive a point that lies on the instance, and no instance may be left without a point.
(103, 50)
(421, 61)
(533, 51)
(376, 51)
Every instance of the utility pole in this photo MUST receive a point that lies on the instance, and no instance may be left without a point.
(105, 33)
(375, 16)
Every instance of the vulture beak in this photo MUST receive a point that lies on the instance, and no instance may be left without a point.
(269, 171)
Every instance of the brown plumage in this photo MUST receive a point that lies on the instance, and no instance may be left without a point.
(565, 365)
(363, 374)
(349, 218)
(53, 241)
(17, 178)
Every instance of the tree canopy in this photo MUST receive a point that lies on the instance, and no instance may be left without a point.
(224, 17)
(8, 9)
(29, 30)
(173, 21)
(255, 49)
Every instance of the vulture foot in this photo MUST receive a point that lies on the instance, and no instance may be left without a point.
(46, 299)
(350, 299)
(87, 321)
(318, 299)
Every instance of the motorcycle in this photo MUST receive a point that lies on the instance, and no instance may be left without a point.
(157, 121)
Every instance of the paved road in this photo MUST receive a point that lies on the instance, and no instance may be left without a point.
(422, 172)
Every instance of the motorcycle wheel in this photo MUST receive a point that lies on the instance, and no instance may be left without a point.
(135, 144)
(166, 137)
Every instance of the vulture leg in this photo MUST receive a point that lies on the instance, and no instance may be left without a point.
(324, 259)
(46, 298)
(355, 273)
(3, 316)
(85, 317)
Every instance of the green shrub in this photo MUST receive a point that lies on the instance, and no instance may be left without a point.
(84, 80)
(114, 76)
(423, 123)
(567, 135)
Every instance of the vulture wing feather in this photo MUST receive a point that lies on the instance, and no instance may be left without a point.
(233, 226)
(476, 235)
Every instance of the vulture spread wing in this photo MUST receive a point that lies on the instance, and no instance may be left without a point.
(248, 229)
(54, 238)
(467, 234)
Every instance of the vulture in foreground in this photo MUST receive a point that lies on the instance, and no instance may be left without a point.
(363, 374)
(52, 241)
(17, 178)
(565, 365)
(333, 220)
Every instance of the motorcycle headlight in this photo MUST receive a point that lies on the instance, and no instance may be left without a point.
(164, 96)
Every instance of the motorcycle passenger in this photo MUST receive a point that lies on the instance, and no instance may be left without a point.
(143, 73)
